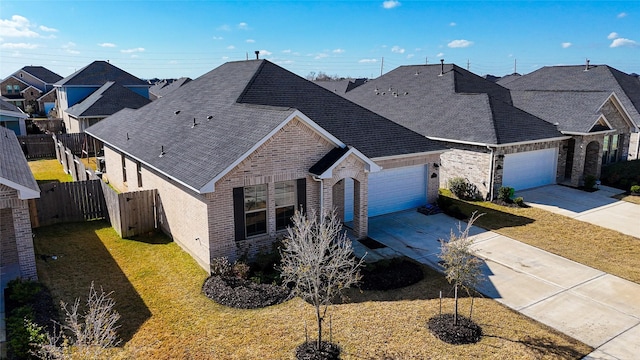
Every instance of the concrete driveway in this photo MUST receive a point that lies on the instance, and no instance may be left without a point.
(596, 308)
(598, 208)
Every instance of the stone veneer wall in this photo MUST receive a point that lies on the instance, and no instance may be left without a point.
(15, 229)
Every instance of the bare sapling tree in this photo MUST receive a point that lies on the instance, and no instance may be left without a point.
(84, 334)
(461, 266)
(317, 258)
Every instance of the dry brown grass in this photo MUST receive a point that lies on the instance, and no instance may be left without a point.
(588, 244)
(635, 199)
(49, 170)
(165, 316)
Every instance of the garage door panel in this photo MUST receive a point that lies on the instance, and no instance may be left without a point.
(530, 169)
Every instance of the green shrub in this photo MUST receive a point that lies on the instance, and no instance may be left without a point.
(505, 193)
(635, 189)
(589, 182)
(241, 270)
(23, 291)
(462, 188)
(519, 201)
(21, 336)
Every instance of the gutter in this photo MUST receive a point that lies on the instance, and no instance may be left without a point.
(318, 179)
(491, 177)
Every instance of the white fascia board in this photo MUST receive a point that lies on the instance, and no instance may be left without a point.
(143, 162)
(297, 114)
(623, 110)
(395, 157)
(370, 165)
(603, 118)
(559, 138)
(16, 114)
(24, 193)
(587, 134)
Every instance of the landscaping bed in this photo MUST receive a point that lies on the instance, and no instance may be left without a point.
(390, 274)
(243, 294)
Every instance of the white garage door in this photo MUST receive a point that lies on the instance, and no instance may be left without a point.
(530, 169)
(391, 190)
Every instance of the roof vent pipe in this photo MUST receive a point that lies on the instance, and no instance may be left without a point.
(586, 68)
(441, 67)
(257, 52)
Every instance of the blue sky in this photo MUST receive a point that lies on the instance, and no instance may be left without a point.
(165, 38)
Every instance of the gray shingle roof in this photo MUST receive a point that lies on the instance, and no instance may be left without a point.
(575, 111)
(575, 78)
(247, 100)
(341, 86)
(99, 72)
(7, 106)
(14, 170)
(43, 74)
(162, 88)
(107, 100)
(458, 105)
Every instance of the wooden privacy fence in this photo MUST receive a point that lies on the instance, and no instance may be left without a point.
(37, 146)
(130, 214)
(68, 202)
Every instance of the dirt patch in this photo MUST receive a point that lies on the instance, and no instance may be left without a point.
(244, 294)
(465, 332)
(310, 351)
(390, 274)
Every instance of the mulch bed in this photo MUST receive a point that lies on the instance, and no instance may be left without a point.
(466, 332)
(309, 351)
(243, 294)
(390, 274)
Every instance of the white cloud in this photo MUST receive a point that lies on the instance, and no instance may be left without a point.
(460, 43)
(397, 49)
(133, 50)
(47, 29)
(321, 56)
(225, 58)
(439, 55)
(613, 35)
(452, 24)
(107, 45)
(230, 47)
(288, 51)
(218, 38)
(410, 56)
(621, 42)
(18, 46)
(367, 61)
(265, 52)
(135, 56)
(250, 41)
(338, 51)
(17, 26)
(243, 26)
(566, 45)
(224, 27)
(285, 62)
(390, 4)
(621, 15)
(70, 48)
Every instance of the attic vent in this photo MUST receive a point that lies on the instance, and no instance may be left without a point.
(441, 67)
(162, 151)
(127, 136)
(209, 117)
(417, 73)
(376, 89)
(194, 123)
(586, 68)
(390, 88)
(406, 93)
(177, 112)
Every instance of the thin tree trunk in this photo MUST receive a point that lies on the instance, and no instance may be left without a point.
(319, 328)
(455, 313)
(471, 311)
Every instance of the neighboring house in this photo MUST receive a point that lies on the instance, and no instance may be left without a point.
(11, 117)
(163, 87)
(341, 86)
(28, 86)
(79, 85)
(17, 186)
(107, 100)
(236, 151)
(623, 141)
(494, 143)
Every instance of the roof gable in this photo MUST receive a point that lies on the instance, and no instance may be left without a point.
(99, 72)
(45, 75)
(107, 100)
(14, 170)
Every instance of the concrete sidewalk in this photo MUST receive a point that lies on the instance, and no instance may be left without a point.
(589, 305)
(598, 208)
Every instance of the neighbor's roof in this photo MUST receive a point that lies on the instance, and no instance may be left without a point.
(574, 111)
(341, 86)
(246, 100)
(456, 105)
(597, 78)
(14, 170)
(162, 88)
(42, 73)
(107, 100)
(10, 109)
(99, 72)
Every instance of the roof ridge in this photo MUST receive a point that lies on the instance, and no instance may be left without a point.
(247, 87)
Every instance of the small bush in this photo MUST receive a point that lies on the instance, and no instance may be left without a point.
(241, 270)
(589, 182)
(221, 266)
(519, 201)
(462, 188)
(505, 193)
(635, 189)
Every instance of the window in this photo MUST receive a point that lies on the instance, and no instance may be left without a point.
(614, 148)
(124, 168)
(139, 170)
(9, 89)
(610, 149)
(16, 89)
(255, 209)
(285, 198)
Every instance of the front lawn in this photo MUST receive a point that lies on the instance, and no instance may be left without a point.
(157, 288)
(49, 170)
(588, 244)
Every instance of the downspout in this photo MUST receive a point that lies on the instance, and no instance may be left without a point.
(491, 173)
(321, 197)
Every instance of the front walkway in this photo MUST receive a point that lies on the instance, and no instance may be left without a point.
(589, 305)
(598, 208)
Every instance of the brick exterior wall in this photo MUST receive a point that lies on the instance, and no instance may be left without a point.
(15, 230)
